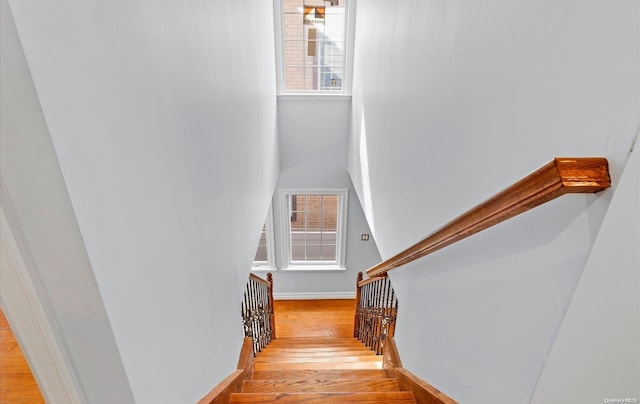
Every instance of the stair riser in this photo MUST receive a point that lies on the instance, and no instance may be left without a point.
(270, 348)
(317, 365)
(318, 359)
(309, 352)
(320, 374)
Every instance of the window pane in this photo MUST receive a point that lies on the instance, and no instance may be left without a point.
(314, 226)
(330, 221)
(313, 44)
(298, 214)
(298, 253)
(298, 238)
(294, 77)
(293, 26)
(261, 254)
(292, 5)
(314, 237)
(329, 238)
(328, 252)
(294, 53)
(314, 252)
(310, 76)
(330, 213)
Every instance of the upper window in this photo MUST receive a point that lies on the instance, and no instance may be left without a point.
(314, 229)
(312, 45)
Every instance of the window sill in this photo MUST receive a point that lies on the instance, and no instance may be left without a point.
(263, 269)
(313, 97)
(314, 268)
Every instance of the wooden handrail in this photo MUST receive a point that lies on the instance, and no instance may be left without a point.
(367, 281)
(258, 279)
(561, 176)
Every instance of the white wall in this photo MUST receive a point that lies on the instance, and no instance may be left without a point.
(313, 154)
(596, 355)
(46, 231)
(163, 118)
(450, 106)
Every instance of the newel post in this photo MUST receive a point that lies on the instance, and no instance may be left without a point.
(272, 316)
(355, 316)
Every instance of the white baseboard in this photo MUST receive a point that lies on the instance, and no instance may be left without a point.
(314, 295)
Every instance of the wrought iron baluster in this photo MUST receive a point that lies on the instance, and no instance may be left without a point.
(257, 312)
(376, 312)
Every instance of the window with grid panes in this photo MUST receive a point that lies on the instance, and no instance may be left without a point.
(314, 229)
(313, 43)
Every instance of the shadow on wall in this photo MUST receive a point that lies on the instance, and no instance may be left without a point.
(521, 233)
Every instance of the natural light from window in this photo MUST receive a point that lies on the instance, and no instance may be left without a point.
(313, 46)
(315, 229)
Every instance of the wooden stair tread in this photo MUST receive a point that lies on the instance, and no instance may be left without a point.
(305, 367)
(322, 398)
(319, 370)
(319, 374)
(320, 385)
(318, 365)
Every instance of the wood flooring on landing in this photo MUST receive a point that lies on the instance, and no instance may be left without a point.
(314, 318)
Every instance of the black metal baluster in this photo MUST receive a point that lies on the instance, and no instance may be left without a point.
(376, 313)
(257, 312)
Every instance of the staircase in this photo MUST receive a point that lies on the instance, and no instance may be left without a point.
(315, 359)
(319, 370)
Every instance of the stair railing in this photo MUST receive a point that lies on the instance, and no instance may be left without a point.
(376, 303)
(257, 311)
(376, 312)
(563, 175)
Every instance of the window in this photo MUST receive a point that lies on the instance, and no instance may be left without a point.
(312, 45)
(314, 229)
(264, 259)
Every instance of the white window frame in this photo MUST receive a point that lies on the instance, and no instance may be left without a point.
(349, 31)
(341, 231)
(268, 265)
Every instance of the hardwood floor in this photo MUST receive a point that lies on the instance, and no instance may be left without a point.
(17, 385)
(314, 318)
(315, 359)
(294, 319)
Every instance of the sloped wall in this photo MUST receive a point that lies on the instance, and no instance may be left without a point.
(42, 221)
(596, 354)
(163, 119)
(454, 101)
